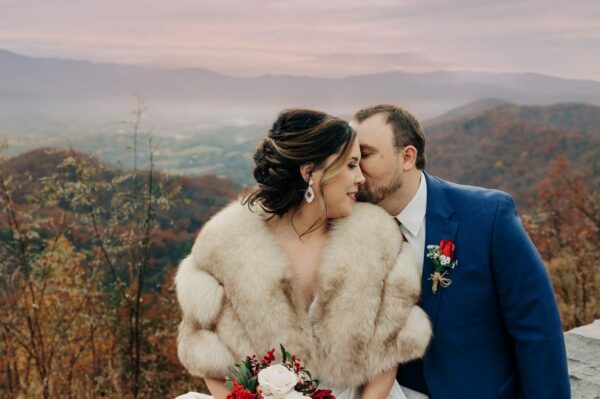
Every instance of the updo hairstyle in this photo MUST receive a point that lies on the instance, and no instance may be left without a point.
(297, 137)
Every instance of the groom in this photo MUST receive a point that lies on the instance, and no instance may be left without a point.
(497, 331)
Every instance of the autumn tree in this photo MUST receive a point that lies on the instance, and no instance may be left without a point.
(87, 257)
(55, 331)
(566, 230)
(121, 215)
(95, 329)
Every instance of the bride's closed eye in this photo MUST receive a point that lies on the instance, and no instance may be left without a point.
(353, 162)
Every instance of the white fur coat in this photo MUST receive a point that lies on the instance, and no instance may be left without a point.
(238, 298)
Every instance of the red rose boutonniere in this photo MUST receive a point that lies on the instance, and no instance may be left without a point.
(442, 256)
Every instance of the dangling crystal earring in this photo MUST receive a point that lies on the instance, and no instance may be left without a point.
(309, 195)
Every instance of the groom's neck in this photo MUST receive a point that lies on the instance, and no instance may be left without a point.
(397, 201)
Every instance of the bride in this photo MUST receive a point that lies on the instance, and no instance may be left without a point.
(297, 262)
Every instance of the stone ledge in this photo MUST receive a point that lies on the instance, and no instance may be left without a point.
(583, 353)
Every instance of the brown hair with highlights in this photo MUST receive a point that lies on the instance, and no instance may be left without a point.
(297, 137)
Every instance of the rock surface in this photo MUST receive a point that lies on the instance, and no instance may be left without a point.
(583, 353)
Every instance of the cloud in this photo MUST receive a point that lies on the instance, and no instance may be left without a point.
(317, 37)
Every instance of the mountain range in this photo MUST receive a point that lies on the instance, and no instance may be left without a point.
(43, 94)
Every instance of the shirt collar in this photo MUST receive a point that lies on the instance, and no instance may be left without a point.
(413, 215)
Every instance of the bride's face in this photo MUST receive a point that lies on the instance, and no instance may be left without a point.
(340, 193)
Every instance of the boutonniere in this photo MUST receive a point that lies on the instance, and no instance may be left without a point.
(443, 260)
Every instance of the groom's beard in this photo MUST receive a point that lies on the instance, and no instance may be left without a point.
(376, 195)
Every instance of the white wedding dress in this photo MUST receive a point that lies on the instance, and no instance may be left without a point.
(397, 392)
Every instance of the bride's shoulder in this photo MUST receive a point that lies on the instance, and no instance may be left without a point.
(234, 220)
(227, 237)
(368, 225)
(365, 208)
(233, 216)
(367, 216)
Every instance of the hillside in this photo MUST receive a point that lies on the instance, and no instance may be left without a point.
(200, 197)
(509, 147)
(569, 116)
(88, 255)
(466, 111)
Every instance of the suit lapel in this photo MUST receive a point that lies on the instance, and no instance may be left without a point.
(437, 227)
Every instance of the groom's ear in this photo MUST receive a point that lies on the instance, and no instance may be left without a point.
(306, 171)
(409, 156)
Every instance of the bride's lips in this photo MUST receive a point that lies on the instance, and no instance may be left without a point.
(352, 196)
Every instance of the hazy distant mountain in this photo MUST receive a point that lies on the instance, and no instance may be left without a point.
(68, 90)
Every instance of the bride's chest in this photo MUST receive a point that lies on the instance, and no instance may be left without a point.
(304, 263)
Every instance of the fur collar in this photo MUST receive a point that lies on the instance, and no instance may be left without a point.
(354, 302)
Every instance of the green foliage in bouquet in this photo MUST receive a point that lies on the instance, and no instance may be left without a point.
(243, 374)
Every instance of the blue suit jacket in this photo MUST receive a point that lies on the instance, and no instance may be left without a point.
(497, 331)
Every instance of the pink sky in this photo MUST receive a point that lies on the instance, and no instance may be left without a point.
(313, 37)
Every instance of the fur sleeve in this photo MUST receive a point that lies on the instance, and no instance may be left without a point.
(201, 299)
(402, 329)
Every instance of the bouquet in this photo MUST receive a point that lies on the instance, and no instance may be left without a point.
(254, 379)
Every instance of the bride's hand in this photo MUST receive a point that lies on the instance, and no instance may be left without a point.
(379, 388)
(217, 387)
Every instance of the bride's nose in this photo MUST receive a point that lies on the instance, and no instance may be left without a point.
(360, 178)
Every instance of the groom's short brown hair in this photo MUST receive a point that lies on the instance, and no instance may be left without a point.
(406, 128)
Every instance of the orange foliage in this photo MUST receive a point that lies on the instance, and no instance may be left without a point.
(566, 230)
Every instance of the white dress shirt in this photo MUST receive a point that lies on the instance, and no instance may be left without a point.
(412, 219)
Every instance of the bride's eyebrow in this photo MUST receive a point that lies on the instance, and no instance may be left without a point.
(355, 159)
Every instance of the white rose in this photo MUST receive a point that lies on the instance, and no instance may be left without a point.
(293, 394)
(276, 381)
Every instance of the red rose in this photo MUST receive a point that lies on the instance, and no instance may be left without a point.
(447, 248)
(322, 394)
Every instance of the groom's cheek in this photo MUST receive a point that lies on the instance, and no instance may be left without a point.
(365, 167)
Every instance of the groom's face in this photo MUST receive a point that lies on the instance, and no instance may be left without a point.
(380, 162)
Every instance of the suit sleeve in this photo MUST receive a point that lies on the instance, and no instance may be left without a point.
(201, 298)
(529, 307)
